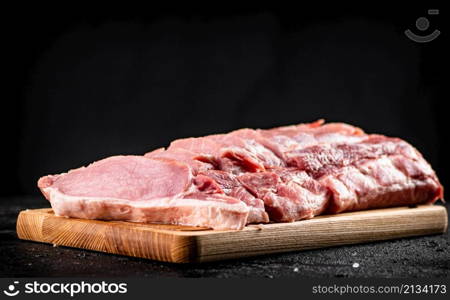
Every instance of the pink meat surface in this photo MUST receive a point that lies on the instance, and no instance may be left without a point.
(139, 189)
(216, 181)
(288, 194)
(288, 139)
(181, 155)
(200, 145)
(245, 147)
(246, 176)
(237, 151)
(376, 184)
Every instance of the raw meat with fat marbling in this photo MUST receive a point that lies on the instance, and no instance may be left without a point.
(225, 181)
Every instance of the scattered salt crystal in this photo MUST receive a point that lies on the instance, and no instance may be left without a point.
(296, 270)
(355, 265)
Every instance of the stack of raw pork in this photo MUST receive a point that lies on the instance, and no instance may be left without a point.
(226, 181)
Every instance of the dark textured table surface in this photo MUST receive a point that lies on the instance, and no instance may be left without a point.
(417, 257)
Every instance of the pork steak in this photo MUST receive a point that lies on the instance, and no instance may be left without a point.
(139, 189)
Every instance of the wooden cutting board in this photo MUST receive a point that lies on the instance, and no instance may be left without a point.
(182, 244)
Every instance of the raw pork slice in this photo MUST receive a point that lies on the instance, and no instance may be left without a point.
(139, 189)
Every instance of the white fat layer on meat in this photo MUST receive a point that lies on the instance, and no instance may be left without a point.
(205, 213)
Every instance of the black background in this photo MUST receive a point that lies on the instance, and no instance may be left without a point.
(85, 86)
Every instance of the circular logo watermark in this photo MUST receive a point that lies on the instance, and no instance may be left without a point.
(11, 290)
(422, 24)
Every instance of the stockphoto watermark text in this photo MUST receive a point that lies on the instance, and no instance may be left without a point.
(67, 288)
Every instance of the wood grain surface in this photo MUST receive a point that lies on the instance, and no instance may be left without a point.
(182, 244)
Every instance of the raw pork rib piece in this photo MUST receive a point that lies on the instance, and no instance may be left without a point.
(288, 194)
(139, 189)
(225, 181)
(216, 181)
